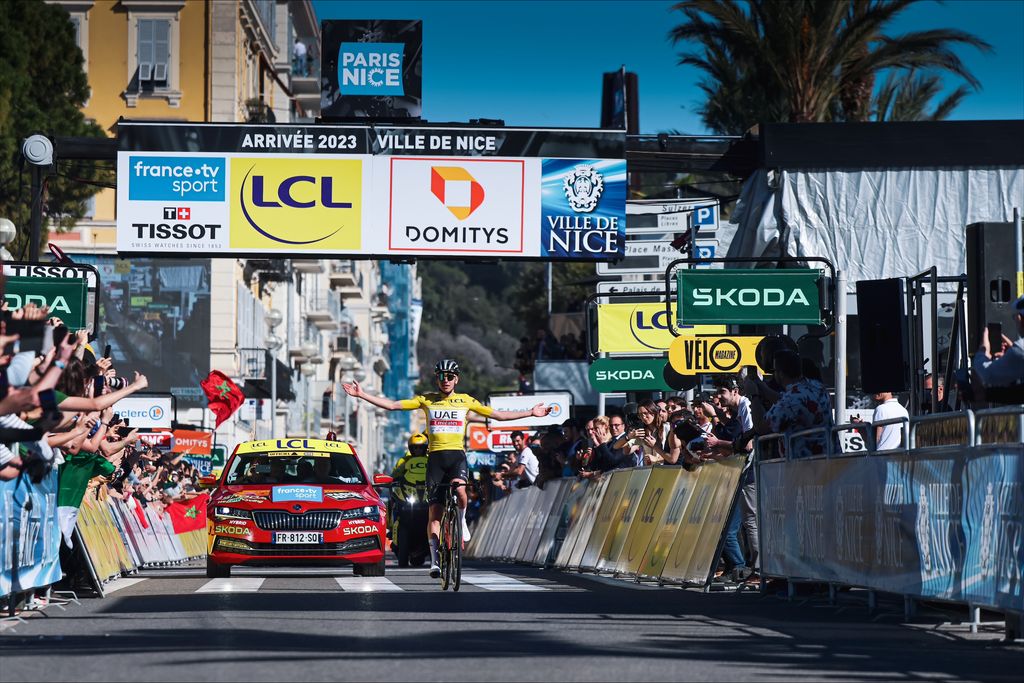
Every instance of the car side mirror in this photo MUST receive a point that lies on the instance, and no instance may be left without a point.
(382, 480)
(209, 482)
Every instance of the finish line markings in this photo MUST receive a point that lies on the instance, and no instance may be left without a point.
(234, 585)
(366, 584)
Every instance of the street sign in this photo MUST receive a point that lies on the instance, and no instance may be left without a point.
(560, 402)
(646, 287)
(219, 455)
(610, 375)
(749, 297)
(65, 297)
(712, 355)
(661, 216)
(640, 328)
(652, 257)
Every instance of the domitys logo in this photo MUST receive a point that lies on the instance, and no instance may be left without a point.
(456, 189)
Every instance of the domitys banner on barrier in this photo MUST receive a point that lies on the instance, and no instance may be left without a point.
(387, 192)
(939, 524)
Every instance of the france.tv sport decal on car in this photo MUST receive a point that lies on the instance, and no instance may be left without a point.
(309, 494)
(292, 203)
(583, 208)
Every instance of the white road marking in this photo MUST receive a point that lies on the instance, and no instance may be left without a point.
(117, 585)
(366, 584)
(234, 585)
(493, 581)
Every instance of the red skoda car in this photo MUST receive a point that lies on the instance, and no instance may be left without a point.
(295, 501)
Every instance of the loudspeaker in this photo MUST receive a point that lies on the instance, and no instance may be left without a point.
(881, 312)
(991, 279)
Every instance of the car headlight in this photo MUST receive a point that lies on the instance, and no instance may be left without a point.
(371, 512)
(221, 512)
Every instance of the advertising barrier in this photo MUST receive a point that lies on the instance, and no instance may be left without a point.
(941, 523)
(29, 535)
(370, 191)
(662, 523)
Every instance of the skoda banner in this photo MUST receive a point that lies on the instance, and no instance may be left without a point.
(711, 355)
(65, 297)
(356, 191)
(640, 328)
(611, 375)
(749, 297)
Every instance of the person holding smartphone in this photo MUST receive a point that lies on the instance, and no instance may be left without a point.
(999, 362)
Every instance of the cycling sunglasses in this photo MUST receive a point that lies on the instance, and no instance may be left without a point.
(447, 376)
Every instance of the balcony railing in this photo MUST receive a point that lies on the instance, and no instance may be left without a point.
(323, 309)
(252, 364)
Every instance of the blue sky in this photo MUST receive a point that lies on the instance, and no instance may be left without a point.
(539, 62)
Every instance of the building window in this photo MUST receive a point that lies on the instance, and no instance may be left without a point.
(90, 208)
(154, 54)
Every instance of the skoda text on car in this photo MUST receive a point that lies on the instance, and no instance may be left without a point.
(295, 501)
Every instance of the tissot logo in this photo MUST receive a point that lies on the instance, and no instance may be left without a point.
(462, 205)
(177, 213)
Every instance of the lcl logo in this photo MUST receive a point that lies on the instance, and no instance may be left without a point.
(297, 202)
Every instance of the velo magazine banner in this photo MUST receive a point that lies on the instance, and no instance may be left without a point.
(932, 525)
(230, 190)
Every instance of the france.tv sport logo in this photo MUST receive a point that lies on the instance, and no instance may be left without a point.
(194, 179)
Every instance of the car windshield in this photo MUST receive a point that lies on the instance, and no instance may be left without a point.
(295, 467)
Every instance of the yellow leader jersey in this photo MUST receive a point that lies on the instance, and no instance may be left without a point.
(446, 418)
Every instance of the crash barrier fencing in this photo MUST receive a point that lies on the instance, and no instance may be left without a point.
(29, 534)
(939, 518)
(119, 540)
(663, 523)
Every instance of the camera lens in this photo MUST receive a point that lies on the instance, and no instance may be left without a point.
(117, 383)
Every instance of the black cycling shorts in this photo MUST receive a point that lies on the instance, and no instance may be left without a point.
(443, 467)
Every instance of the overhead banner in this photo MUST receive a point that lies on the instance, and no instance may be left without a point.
(559, 401)
(712, 355)
(611, 375)
(640, 328)
(355, 191)
(371, 69)
(65, 297)
(749, 297)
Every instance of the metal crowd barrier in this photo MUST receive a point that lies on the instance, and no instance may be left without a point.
(935, 519)
(662, 523)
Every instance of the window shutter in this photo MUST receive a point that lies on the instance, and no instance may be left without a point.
(146, 49)
(161, 50)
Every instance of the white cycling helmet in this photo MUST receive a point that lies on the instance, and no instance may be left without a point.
(446, 365)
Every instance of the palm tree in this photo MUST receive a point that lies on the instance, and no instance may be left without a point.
(905, 96)
(806, 60)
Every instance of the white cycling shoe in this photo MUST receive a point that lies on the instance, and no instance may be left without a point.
(435, 571)
(466, 536)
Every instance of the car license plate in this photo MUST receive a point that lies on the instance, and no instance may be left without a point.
(310, 537)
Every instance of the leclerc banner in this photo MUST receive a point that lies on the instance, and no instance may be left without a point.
(230, 190)
(749, 297)
(640, 328)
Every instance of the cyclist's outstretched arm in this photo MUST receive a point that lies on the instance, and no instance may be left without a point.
(357, 391)
(539, 410)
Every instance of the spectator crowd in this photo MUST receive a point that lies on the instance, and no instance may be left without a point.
(57, 398)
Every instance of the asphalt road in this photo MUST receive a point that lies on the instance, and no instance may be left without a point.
(507, 623)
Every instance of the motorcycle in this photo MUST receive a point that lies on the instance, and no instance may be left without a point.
(407, 525)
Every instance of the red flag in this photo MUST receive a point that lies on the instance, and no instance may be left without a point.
(140, 512)
(188, 516)
(222, 394)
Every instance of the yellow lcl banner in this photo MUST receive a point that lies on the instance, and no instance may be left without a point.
(641, 328)
(712, 355)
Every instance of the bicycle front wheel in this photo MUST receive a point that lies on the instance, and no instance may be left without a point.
(456, 562)
(444, 552)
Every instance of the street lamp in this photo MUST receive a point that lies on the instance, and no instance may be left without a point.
(273, 342)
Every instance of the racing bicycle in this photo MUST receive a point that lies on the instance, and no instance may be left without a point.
(450, 550)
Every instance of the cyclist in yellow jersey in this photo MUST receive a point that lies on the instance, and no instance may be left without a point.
(446, 413)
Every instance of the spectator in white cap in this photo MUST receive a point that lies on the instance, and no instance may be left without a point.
(1000, 362)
